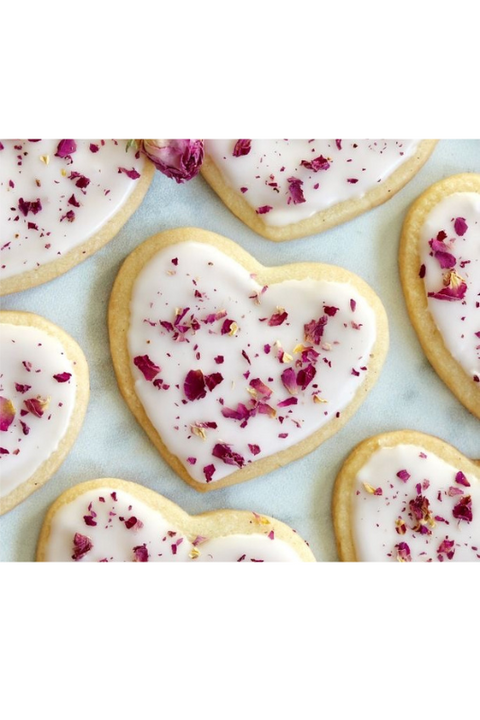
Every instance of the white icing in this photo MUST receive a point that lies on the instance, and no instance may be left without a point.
(47, 356)
(23, 248)
(162, 287)
(457, 321)
(112, 541)
(374, 516)
(270, 163)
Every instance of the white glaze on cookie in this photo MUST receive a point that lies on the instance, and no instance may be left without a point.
(329, 171)
(38, 388)
(409, 504)
(51, 204)
(196, 313)
(450, 241)
(121, 528)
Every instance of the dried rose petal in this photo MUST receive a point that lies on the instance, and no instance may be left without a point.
(66, 148)
(241, 413)
(229, 457)
(305, 376)
(254, 449)
(455, 289)
(263, 209)
(22, 388)
(261, 388)
(132, 174)
(463, 509)
(404, 475)
(460, 226)
(289, 380)
(403, 552)
(442, 254)
(177, 159)
(278, 318)
(194, 385)
(242, 147)
(446, 547)
(289, 401)
(208, 472)
(330, 310)
(461, 479)
(320, 163)
(140, 553)
(211, 381)
(314, 330)
(36, 406)
(62, 377)
(229, 327)
(295, 190)
(146, 366)
(33, 206)
(7, 413)
(81, 546)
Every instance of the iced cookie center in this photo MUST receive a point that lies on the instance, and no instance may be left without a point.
(287, 181)
(450, 267)
(37, 396)
(410, 505)
(54, 195)
(105, 525)
(230, 371)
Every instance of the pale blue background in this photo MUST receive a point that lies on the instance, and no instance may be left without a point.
(408, 394)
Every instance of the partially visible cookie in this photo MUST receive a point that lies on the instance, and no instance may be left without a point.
(43, 399)
(113, 520)
(287, 189)
(235, 369)
(60, 201)
(406, 496)
(440, 273)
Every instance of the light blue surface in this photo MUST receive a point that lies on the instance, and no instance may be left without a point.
(409, 394)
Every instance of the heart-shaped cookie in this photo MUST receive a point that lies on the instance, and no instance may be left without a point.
(60, 201)
(440, 272)
(407, 496)
(43, 399)
(234, 369)
(286, 189)
(113, 520)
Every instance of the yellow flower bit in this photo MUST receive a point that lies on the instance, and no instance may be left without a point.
(369, 488)
(45, 159)
(198, 431)
(172, 272)
(194, 553)
(452, 279)
(318, 399)
(252, 391)
(233, 329)
(63, 172)
(261, 519)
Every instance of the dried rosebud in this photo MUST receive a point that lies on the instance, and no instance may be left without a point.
(177, 159)
(7, 413)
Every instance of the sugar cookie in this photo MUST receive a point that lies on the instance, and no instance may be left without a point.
(234, 369)
(440, 273)
(60, 201)
(286, 189)
(44, 394)
(407, 496)
(113, 520)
